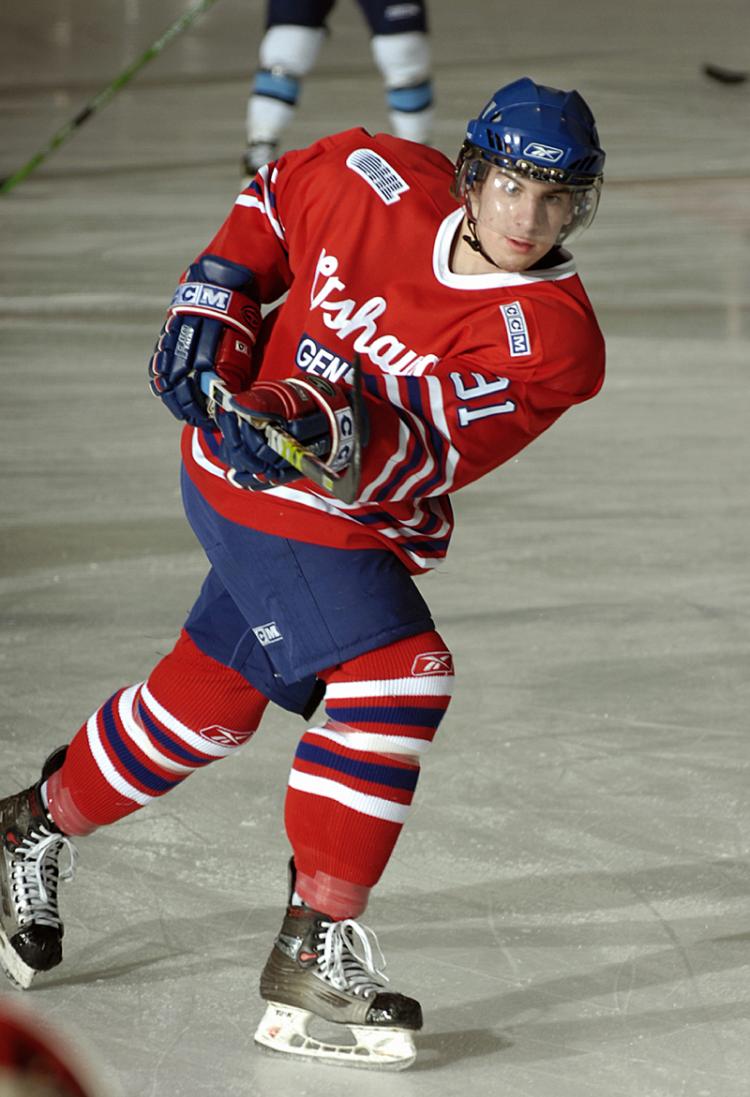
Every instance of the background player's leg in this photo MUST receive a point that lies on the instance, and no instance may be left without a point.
(350, 789)
(401, 50)
(288, 51)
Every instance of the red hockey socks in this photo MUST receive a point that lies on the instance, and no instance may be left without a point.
(352, 781)
(353, 778)
(148, 738)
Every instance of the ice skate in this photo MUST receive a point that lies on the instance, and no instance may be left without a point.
(30, 927)
(322, 970)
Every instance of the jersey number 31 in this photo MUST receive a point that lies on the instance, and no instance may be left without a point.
(481, 388)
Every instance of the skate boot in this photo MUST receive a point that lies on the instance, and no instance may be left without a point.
(30, 927)
(326, 970)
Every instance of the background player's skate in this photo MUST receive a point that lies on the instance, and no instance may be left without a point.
(321, 969)
(31, 930)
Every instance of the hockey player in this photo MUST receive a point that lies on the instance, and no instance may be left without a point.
(295, 30)
(451, 287)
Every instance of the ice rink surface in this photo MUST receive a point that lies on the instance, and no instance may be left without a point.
(571, 897)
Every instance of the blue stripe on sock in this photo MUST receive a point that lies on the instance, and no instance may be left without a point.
(164, 740)
(408, 716)
(366, 771)
(131, 764)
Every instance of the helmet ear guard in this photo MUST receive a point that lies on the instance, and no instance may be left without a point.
(461, 177)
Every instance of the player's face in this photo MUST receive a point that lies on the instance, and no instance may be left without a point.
(518, 220)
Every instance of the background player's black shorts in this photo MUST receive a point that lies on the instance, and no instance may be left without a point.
(383, 16)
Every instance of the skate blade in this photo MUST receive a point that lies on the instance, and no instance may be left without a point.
(284, 1030)
(19, 973)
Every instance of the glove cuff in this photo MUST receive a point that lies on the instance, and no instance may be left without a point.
(232, 307)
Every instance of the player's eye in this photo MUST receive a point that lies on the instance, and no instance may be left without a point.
(510, 186)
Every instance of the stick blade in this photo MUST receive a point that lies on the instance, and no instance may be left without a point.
(725, 76)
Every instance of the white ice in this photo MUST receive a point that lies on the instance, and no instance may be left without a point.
(571, 898)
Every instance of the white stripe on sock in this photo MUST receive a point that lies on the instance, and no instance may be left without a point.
(430, 686)
(349, 797)
(141, 739)
(372, 743)
(108, 771)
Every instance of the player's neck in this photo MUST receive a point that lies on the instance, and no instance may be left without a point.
(463, 258)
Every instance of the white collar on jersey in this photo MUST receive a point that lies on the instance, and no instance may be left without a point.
(441, 258)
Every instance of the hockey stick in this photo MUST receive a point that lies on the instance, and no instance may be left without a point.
(343, 485)
(725, 76)
(104, 96)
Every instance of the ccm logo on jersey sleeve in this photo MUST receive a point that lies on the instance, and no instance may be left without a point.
(384, 180)
(518, 333)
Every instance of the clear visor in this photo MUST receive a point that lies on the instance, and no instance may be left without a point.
(552, 211)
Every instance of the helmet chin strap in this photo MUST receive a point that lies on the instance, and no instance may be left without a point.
(474, 242)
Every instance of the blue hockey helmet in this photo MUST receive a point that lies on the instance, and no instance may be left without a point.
(541, 133)
(545, 133)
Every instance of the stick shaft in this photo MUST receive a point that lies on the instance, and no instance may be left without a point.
(103, 97)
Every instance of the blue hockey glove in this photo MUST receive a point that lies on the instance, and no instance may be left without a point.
(312, 410)
(211, 325)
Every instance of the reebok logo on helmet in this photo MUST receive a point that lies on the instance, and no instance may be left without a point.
(547, 153)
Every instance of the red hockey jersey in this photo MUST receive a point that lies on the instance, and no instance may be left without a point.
(460, 372)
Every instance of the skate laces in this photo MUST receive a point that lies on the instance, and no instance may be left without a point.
(36, 873)
(351, 957)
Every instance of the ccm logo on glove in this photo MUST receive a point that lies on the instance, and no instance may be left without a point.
(198, 293)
